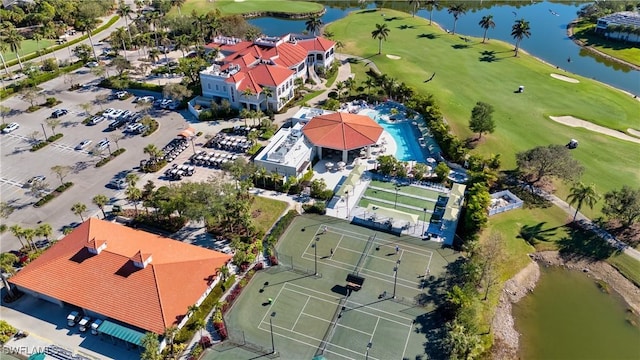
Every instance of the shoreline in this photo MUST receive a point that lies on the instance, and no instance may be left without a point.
(506, 337)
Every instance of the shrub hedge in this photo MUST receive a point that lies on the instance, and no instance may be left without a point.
(279, 228)
(59, 190)
(42, 144)
(104, 161)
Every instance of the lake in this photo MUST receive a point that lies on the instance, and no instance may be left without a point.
(569, 317)
(548, 39)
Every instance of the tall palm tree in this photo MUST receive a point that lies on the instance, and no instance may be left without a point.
(14, 39)
(268, 92)
(125, 12)
(100, 201)
(430, 5)
(87, 25)
(153, 152)
(369, 83)
(520, 30)
(118, 37)
(199, 325)
(486, 22)
(133, 194)
(4, 47)
(381, 33)
(224, 270)
(6, 267)
(38, 37)
(182, 43)
(416, 5)
(456, 10)
(45, 230)
(313, 25)
(29, 234)
(132, 179)
(170, 334)
(17, 231)
(581, 194)
(79, 209)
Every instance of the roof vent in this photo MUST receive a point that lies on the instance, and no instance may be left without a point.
(141, 260)
(96, 246)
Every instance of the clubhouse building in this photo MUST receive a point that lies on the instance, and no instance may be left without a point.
(260, 74)
(134, 281)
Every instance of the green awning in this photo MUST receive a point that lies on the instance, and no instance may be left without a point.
(121, 332)
(37, 356)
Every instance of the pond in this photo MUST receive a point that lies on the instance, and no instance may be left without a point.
(569, 317)
(548, 41)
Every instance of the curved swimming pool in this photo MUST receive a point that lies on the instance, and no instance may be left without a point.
(406, 137)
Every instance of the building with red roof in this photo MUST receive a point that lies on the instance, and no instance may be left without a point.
(291, 150)
(260, 74)
(115, 273)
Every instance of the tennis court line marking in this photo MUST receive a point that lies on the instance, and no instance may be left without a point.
(348, 301)
(301, 312)
(407, 342)
(312, 338)
(344, 326)
(378, 240)
(273, 302)
(415, 285)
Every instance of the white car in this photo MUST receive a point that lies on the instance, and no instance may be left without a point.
(84, 323)
(11, 127)
(103, 144)
(96, 119)
(95, 325)
(108, 112)
(83, 144)
(145, 99)
(72, 318)
(92, 64)
(121, 94)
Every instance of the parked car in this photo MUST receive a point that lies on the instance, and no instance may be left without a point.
(121, 95)
(35, 179)
(73, 318)
(96, 119)
(84, 323)
(83, 144)
(125, 115)
(108, 112)
(58, 113)
(11, 127)
(95, 325)
(118, 184)
(174, 105)
(103, 144)
(116, 124)
(92, 64)
(145, 99)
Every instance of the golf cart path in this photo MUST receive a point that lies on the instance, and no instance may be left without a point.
(575, 122)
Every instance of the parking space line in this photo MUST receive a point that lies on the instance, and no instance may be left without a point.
(11, 182)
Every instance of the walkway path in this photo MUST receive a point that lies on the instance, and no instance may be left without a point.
(571, 210)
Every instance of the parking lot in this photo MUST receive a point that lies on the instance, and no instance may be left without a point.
(18, 164)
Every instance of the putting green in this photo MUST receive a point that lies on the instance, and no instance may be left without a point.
(468, 72)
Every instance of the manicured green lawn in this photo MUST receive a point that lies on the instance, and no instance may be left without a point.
(228, 7)
(28, 47)
(471, 72)
(628, 266)
(629, 52)
(266, 211)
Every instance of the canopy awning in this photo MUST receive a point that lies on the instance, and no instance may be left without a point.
(188, 132)
(121, 332)
(392, 213)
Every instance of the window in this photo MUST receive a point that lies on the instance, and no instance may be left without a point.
(217, 87)
(209, 86)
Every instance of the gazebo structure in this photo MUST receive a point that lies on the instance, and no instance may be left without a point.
(343, 132)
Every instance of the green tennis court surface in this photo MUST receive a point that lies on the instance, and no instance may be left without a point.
(318, 315)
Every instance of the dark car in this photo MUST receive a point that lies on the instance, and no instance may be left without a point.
(60, 112)
(116, 124)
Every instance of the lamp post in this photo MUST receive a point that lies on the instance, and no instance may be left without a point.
(424, 221)
(395, 277)
(273, 344)
(346, 193)
(395, 203)
(366, 355)
(45, 133)
(192, 145)
(315, 256)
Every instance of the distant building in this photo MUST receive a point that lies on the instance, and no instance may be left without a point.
(248, 68)
(291, 150)
(6, 4)
(133, 280)
(628, 20)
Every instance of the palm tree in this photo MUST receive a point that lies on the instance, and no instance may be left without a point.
(14, 39)
(192, 309)
(88, 24)
(581, 194)
(118, 37)
(456, 10)
(182, 43)
(29, 234)
(268, 92)
(4, 47)
(430, 5)
(100, 201)
(17, 231)
(340, 85)
(132, 179)
(45, 230)
(369, 83)
(224, 270)
(79, 209)
(125, 12)
(6, 267)
(520, 30)
(37, 37)
(381, 33)
(178, 4)
(313, 25)
(199, 325)
(153, 152)
(133, 194)
(416, 6)
(486, 22)
(170, 334)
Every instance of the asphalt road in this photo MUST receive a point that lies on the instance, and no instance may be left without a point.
(18, 164)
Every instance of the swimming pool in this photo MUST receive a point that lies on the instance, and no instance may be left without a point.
(404, 133)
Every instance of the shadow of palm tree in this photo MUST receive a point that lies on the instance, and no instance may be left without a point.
(581, 245)
(429, 36)
(404, 27)
(534, 233)
(460, 46)
(488, 56)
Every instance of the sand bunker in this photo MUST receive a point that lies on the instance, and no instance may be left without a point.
(394, 57)
(575, 122)
(564, 78)
(633, 132)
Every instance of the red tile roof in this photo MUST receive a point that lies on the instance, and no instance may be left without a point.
(342, 131)
(288, 55)
(317, 44)
(108, 283)
(270, 75)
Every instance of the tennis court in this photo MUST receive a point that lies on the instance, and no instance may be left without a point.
(312, 315)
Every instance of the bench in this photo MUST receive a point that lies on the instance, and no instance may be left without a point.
(354, 282)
